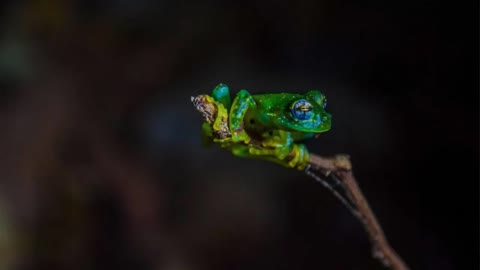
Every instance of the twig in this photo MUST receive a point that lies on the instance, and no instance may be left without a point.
(341, 167)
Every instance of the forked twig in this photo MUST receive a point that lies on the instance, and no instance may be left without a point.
(341, 168)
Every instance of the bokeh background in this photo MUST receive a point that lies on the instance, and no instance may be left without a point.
(101, 161)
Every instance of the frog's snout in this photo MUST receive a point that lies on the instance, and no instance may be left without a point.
(326, 122)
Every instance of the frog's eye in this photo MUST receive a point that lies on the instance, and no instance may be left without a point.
(302, 110)
(324, 103)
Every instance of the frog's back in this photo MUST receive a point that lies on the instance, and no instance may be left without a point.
(268, 107)
(270, 101)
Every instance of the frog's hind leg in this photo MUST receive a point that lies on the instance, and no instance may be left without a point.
(242, 102)
(281, 149)
(222, 94)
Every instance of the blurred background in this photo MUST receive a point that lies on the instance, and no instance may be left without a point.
(102, 165)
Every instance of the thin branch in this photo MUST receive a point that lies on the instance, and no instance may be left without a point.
(341, 168)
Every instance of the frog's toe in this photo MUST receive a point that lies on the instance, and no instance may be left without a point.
(300, 157)
(292, 163)
(304, 158)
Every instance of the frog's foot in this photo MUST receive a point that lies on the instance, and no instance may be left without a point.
(299, 157)
(222, 94)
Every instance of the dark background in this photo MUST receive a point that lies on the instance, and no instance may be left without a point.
(101, 162)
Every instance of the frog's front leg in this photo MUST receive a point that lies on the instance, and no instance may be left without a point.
(299, 157)
(242, 102)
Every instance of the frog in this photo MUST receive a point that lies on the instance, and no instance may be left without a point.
(269, 126)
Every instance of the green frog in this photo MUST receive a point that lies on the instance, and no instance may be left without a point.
(269, 126)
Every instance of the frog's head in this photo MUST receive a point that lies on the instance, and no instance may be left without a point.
(306, 113)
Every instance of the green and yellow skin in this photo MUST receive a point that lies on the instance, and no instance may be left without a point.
(269, 126)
